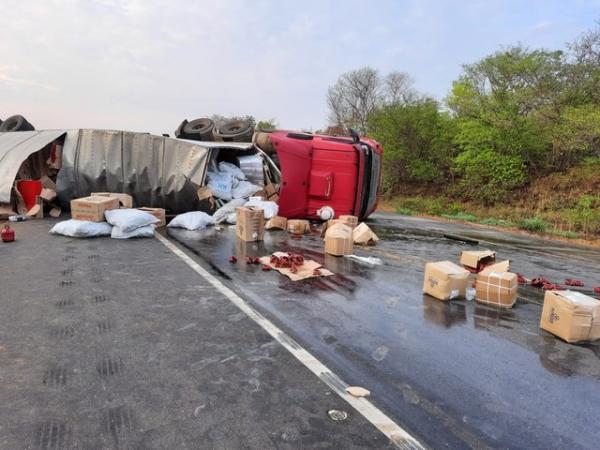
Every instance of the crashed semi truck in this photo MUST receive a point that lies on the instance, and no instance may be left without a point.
(303, 172)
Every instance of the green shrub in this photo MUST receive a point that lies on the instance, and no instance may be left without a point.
(405, 211)
(492, 221)
(565, 234)
(464, 217)
(535, 225)
(489, 176)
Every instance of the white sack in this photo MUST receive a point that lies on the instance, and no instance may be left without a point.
(221, 214)
(129, 219)
(140, 232)
(270, 209)
(232, 169)
(220, 184)
(244, 189)
(81, 228)
(195, 220)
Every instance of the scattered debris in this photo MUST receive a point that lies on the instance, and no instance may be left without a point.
(266, 268)
(475, 261)
(368, 260)
(337, 414)
(276, 223)
(357, 391)
(232, 259)
(574, 283)
(7, 234)
(363, 235)
(597, 290)
(539, 281)
(521, 279)
(294, 265)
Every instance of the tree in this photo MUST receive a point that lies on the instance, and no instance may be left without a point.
(417, 138)
(266, 125)
(358, 93)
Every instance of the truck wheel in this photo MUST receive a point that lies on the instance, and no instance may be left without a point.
(236, 131)
(16, 123)
(179, 131)
(199, 129)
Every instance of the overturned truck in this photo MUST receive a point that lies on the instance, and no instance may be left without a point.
(302, 172)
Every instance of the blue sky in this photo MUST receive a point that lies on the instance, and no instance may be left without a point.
(145, 65)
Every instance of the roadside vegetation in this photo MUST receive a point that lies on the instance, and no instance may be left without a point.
(516, 143)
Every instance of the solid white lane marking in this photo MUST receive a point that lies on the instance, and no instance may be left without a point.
(400, 437)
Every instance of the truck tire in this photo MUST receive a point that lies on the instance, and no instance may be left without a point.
(16, 123)
(236, 131)
(199, 129)
(179, 131)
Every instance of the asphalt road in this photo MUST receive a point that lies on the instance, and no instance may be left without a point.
(119, 344)
(456, 374)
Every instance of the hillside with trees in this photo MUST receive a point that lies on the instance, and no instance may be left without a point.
(516, 142)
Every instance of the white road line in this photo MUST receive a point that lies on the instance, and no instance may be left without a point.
(397, 435)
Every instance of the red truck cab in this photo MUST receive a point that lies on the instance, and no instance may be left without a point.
(317, 171)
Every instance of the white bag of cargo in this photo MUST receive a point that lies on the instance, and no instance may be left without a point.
(129, 219)
(224, 212)
(220, 184)
(235, 171)
(81, 228)
(141, 232)
(195, 220)
(244, 189)
(269, 208)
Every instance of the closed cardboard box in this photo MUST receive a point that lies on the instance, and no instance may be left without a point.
(298, 226)
(497, 287)
(571, 315)
(92, 208)
(351, 221)
(445, 280)
(338, 240)
(125, 199)
(477, 260)
(159, 213)
(250, 223)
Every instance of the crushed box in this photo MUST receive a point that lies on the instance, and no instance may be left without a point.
(125, 199)
(338, 240)
(276, 223)
(362, 234)
(572, 316)
(159, 213)
(497, 286)
(445, 280)
(92, 208)
(477, 260)
(250, 223)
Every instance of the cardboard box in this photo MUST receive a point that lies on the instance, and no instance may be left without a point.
(496, 286)
(298, 226)
(276, 223)
(445, 280)
(338, 240)
(92, 208)
(308, 269)
(270, 190)
(159, 213)
(571, 315)
(351, 221)
(250, 223)
(477, 260)
(125, 200)
(363, 235)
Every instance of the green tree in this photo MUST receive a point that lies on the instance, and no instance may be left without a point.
(417, 139)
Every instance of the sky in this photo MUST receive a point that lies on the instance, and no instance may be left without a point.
(145, 65)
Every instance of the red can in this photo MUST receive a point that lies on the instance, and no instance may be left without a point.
(8, 234)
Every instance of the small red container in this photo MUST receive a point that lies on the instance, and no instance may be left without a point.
(8, 234)
(29, 189)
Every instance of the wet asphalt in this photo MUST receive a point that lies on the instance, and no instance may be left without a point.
(456, 374)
